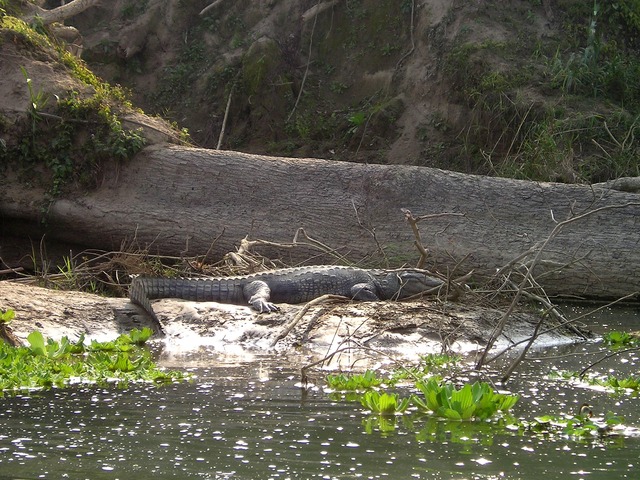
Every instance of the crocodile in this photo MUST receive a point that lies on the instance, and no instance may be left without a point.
(287, 285)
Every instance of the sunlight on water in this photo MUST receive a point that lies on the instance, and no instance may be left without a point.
(250, 421)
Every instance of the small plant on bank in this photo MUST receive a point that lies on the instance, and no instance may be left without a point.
(7, 316)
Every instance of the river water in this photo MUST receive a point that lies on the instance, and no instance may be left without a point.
(251, 420)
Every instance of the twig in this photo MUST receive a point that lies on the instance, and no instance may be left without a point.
(526, 280)
(609, 355)
(411, 29)
(413, 222)
(226, 116)
(11, 270)
(306, 71)
(370, 231)
(523, 353)
(210, 6)
(289, 326)
(364, 131)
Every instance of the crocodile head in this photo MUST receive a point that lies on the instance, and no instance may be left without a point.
(407, 282)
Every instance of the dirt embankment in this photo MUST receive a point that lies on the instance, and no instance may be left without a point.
(403, 330)
(366, 80)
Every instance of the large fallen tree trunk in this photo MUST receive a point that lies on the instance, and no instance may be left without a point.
(184, 200)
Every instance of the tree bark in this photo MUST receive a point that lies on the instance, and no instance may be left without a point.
(182, 200)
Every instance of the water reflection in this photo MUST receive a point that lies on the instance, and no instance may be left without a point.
(250, 421)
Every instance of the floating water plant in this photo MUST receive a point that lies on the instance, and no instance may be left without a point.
(579, 426)
(383, 403)
(472, 401)
(353, 382)
(611, 383)
(428, 365)
(46, 363)
(616, 340)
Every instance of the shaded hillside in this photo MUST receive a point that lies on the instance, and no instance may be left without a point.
(531, 89)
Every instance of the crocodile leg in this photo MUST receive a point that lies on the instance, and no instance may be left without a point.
(365, 292)
(257, 293)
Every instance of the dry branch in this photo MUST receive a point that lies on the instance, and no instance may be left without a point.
(316, 301)
(528, 277)
(306, 71)
(62, 12)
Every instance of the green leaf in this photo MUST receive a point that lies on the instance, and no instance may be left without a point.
(36, 340)
(123, 363)
(6, 317)
(450, 414)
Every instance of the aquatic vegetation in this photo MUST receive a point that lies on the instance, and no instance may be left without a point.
(353, 382)
(609, 382)
(615, 339)
(428, 366)
(383, 403)
(579, 426)
(472, 401)
(46, 363)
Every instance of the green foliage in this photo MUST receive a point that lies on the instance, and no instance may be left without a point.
(428, 366)
(73, 139)
(84, 134)
(356, 120)
(579, 426)
(353, 382)
(629, 383)
(477, 400)
(46, 363)
(133, 9)
(38, 100)
(617, 340)
(383, 403)
(472, 401)
(338, 87)
(602, 69)
(176, 79)
(7, 316)
(610, 382)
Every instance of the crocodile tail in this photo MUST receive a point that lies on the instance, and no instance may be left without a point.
(138, 295)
